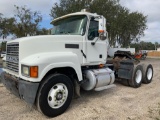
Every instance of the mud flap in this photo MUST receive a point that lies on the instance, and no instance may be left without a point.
(125, 70)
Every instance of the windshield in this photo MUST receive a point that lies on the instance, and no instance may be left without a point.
(74, 25)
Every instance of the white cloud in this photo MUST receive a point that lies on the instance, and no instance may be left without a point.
(44, 6)
(152, 34)
(150, 8)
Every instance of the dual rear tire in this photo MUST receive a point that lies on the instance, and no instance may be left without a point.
(147, 73)
(136, 77)
(141, 74)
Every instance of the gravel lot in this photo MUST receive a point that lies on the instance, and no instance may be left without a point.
(119, 103)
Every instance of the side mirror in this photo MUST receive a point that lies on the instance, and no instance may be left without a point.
(102, 28)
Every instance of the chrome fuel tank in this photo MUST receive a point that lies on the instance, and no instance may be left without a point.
(97, 78)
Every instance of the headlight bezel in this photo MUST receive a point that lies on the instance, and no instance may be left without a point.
(22, 70)
(32, 71)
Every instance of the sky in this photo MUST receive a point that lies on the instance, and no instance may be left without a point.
(150, 8)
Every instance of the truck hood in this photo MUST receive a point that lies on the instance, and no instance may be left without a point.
(49, 43)
(54, 38)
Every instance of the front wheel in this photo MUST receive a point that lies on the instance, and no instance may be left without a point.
(55, 95)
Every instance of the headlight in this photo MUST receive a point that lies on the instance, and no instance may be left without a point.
(4, 65)
(25, 70)
(30, 71)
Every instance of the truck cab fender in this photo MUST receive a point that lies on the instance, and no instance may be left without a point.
(52, 60)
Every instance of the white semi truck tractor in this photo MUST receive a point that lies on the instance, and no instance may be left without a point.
(48, 71)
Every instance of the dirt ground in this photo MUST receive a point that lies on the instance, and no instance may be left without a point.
(118, 103)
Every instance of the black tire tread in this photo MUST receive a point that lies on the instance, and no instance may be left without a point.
(58, 111)
(145, 68)
(132, 81)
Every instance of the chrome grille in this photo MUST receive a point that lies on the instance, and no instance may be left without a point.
(12, 57)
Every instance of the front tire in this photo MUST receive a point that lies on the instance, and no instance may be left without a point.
(55, 95)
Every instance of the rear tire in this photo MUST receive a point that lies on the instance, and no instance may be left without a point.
(147, 73)
(136, 80)
(55, 95)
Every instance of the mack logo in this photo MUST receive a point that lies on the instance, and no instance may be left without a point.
(12, 59)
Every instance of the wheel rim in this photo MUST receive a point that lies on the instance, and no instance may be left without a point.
(138, 76)
(57, 95)
(149, 74)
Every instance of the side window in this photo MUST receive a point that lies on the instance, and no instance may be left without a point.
(93, 30)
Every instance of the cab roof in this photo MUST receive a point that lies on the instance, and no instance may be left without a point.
(74, 14)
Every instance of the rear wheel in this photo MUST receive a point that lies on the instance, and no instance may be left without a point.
(147, 73)
(136, 77)
(55, 95)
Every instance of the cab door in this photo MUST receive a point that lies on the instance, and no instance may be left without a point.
(96, 49)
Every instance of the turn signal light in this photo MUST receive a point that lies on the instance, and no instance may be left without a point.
(101, 65)
(101, 31)
(34, 71)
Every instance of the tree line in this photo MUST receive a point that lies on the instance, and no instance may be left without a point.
(145, 46)
(24, 23)
(123, 26)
